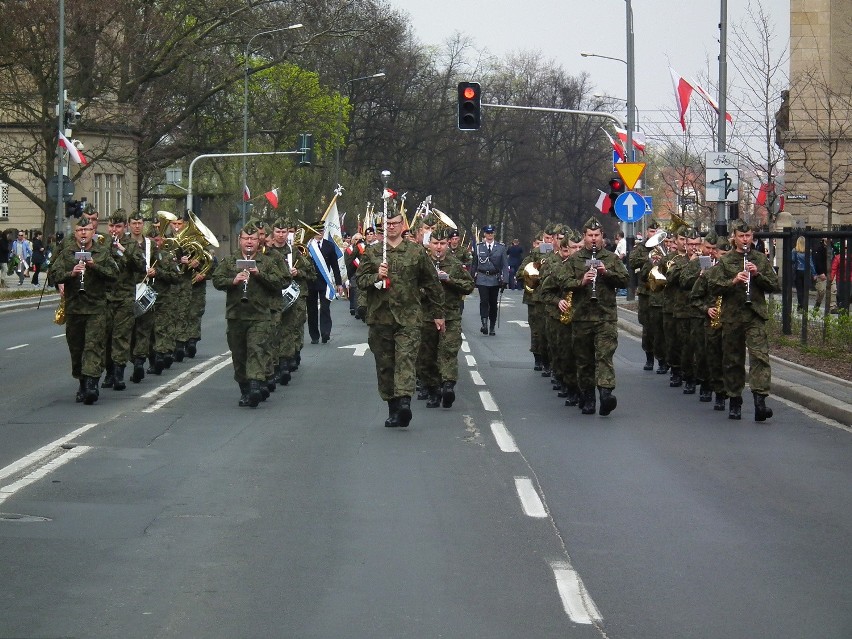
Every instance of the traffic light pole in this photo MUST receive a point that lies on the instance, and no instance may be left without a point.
(593, 114)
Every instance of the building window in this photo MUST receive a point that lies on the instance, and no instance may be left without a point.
(4, 201)
(108, 192)
(119, 184)
(96, 191)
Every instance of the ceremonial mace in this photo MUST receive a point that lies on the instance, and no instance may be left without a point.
(385, 283)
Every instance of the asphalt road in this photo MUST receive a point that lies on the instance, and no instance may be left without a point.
(167, 511)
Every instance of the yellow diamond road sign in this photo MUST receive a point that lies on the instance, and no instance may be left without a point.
(630, 172)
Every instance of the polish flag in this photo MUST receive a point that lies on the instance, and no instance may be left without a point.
(763, 193)
(272, 197)
(604, 203)
(389, 194)
(638, 139)
(246, 193)
(683, 91)
(616, 146)
(700, 91)
(66, 144)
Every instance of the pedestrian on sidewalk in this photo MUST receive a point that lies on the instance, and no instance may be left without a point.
(22, 251)
(4, 258)
(38, 256)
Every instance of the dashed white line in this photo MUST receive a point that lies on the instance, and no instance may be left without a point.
(180, 391)
(58, 336)
(488, 402)
(530, 501)
(477, 378)
(576, 600)
(471, 361)
(43, 452)
(53, 464)
(465, 347)
(177, 381)
(14, 348)
(504, 438)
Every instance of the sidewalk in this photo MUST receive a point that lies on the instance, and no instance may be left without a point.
(51, 297)
(824, 394)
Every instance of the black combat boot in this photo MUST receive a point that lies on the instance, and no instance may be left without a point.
(573, 397)
(292, 364)
(159, 364)
(118, 377)
(491, 329)
(298, 358)
(688, 386)
(662, 367)
(448, 393)
(761, 412)
(484, 329)
(81, 391)
(563, 391)
(284, 376)
(555, 384)
(191, 348)
(719, 404)
(271, 383)
(180, 351)
(676, 379)
(138, 370)
(255, 392)
(109, 379)
(393, 410)
(404, 413)
(244, 394)
(608, 401)
(649, 362)
(545, 370)
(434, 397)
(587, 401)
(91, 394)
(168, 359)
(264, 391)
(705, 393)
(537, 362)
(422, 392)
(735, 408)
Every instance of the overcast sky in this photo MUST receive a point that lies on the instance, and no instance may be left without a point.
(682, 34)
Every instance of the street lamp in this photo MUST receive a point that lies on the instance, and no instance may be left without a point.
(245, 97)
(586, 54)
(345, 85)
(603, 96)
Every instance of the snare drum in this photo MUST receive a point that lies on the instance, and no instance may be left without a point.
(290, 295)
(145, 298)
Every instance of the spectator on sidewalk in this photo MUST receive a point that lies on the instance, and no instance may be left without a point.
(4, 258)
(799, 273)
(819, 256)
(38, 256)
(514, 257)
(22, 252)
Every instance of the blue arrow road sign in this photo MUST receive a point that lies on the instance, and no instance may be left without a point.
(630, 206)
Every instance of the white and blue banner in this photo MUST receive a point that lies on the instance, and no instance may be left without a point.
(322, 268)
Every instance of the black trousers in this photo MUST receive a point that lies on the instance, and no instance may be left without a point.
(488, 302)
(323, 313)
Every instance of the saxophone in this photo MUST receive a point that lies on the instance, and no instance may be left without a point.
(717, 321)
(568, 315)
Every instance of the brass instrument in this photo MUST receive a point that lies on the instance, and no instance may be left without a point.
(716, 322)
(656, 280)
(193, 240)
(532, 276)
(567, 316)
(59, 314)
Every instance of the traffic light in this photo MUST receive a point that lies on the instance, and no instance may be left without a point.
(306, 149)
(469, 106)
(616, 188)
(73, 208)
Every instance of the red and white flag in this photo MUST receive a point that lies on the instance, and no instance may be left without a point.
(616, 146)
(246, 193)
(66, 144)
(638, 139)
(683, 92)
(700, 91)
(604, 203)
(272, 198)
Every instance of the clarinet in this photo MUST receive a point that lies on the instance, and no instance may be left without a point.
(748, 281)
(244, 299)
(593, 264)
(83, 272)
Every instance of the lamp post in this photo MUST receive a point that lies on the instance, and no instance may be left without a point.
(613, 97)
(586, 54)
(345, 85)
(245, 96)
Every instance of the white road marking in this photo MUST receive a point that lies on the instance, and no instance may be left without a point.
(359, 349)
(522, 323)
(14, 348)
(576, 600)
(53, 464)
(471, 361)
(477, 378)
(179, 379)
(488, 402)
(504, 438)
(43, 452)
(530, 501)
(465, 347)
(58, 336)
(180, 391)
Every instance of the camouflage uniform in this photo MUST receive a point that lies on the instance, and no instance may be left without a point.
(595, 323)
(294, 318)
(681, 360)
(638, 260)
(703, 300)
(744, 324)
(538, 318)
(437, 361)
(166, 275)
(143, 325)
(694, 354)
(554, 289)
(394, 316)
(120, 299)
(672, 330)
(248, 321)
(85, 311)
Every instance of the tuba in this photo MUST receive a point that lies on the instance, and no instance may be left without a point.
(193, 239)
(532, 276)
(656, 280)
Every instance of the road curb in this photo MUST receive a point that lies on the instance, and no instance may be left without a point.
(28, 302)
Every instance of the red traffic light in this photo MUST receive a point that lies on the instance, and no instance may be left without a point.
(616, 185)
(469, 93)
(469, 106)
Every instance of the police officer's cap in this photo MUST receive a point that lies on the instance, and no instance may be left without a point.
(592, 224)
(488, 228)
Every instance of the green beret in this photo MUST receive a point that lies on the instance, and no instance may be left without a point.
(592, 224)
(741, 226)
(118, 217)
(250, 228)
(135, 215)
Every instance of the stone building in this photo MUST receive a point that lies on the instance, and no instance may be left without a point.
(814, 123)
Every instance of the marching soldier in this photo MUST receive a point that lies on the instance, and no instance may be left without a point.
(688, 247)
(437, 363)
(461, 252)
(535, 311)
(143, 324)
(639, 257)
(250, 292)
(120, 298)
(594, 274)
(85, 269)
(392, 292)
(164, 273)
(743, 279)
(675, 258)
